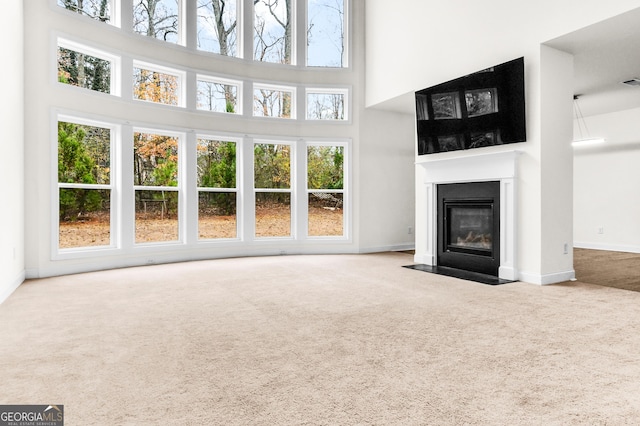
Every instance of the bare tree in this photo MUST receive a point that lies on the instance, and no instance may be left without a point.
(152, 18)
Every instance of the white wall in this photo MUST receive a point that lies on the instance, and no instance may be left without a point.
(413, 44)
(607, 184)
(44, 97)
(426, 48)
(11, 161)
(386, 181)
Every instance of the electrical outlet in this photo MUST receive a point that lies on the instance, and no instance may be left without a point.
(566, 248)
(410, 230)
(601, 230)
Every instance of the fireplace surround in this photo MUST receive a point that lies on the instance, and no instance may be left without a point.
(498, 167)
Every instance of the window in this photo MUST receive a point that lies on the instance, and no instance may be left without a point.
(155, 180)
(218, 27)
(272, 185)
(326, 33)
(217, 188)
(84, 184)
(157, 19)
(85, 67)
(326, 104)
(273, 31)
(99, 10)
(156, 84)
(219, 95)
(325, 189)
(273, 101)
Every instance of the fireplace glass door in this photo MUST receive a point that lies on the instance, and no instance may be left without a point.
(469, 227)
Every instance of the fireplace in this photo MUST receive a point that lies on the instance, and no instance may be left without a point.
(468, 226)
(434, 175)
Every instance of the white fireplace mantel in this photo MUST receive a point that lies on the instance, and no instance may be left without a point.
(498, 166)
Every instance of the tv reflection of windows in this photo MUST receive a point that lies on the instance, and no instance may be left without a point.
(481, 102)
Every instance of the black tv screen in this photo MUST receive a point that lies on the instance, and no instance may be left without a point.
(485, 108)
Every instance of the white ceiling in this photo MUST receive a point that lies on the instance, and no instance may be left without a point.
(605, 54)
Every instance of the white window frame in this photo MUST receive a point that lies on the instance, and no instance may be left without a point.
(274, 87)
(239, 194)
(291, 190)
(181, 77)
(223, 81)
(327, 91)
(115, 61)
(179, 188)
(345, 191)
(114, 173)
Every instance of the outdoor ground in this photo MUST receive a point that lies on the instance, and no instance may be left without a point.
(93, 230)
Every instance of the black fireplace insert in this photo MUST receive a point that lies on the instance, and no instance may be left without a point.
(468, 226)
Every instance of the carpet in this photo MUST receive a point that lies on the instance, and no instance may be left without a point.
(319, 340)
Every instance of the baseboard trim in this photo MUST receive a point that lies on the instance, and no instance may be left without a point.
(607, 247)
(397, 247)
(547, 279)
(12, 286)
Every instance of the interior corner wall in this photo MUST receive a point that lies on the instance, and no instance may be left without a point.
(606, 196)
(556, 134)
(12, 159)
(386, 189)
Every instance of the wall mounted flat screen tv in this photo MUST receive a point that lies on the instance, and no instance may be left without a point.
(481, 109)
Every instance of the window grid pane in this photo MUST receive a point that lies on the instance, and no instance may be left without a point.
(325, 106)
(218, 97)
(99, 10)
(217, 27)
(273, 31)
(156, 216)
(82, 70)
(157, 19)
(325, 33)
(155, 86)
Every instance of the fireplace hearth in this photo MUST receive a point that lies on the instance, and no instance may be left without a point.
(468, 226)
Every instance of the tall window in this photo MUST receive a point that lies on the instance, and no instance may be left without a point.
(326, 104)
(217, 188)
(155, 180)
(326, 33)
(273, 101)
(272, 185)
(156, 84)
(157, 19)
(217, 94)
(84, 185)
(218, 27)
(84, 67)
(325, 189)
(96, 9)
(273, 31)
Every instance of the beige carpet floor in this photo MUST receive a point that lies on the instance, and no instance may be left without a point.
(319, 340)
(608, 268)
